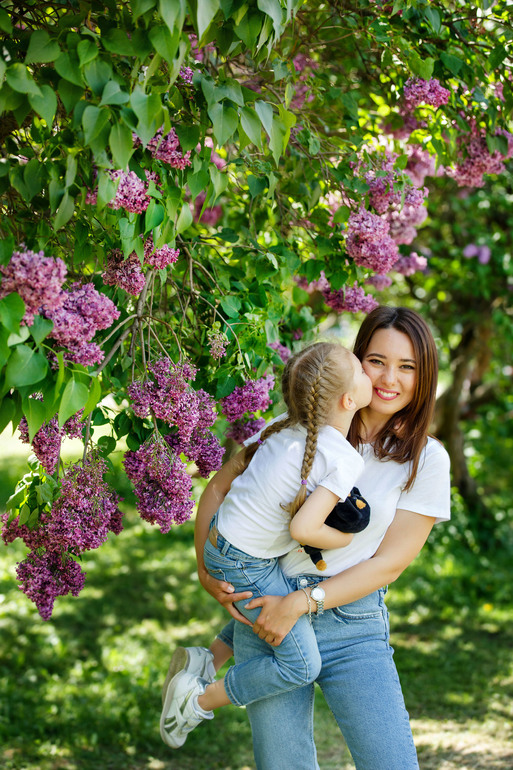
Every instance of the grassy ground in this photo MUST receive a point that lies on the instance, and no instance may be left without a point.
(82, 691)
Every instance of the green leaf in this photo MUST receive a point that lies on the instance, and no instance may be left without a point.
(75, 397)
(188, 135)
(205, 12)
(95, 394)
(5, 22)
(148, 109)
(97, 74)
(273, 9)
(116, 41)
(121, 144)
(184, 219)
(252, 125)
(33, 177)
(25, 367)
(140, 7)
(5, 351)
(219, 180)
(94, 120)
(20, 80)
(497, 56)
(248, 29)
(40, 329)
(154, 215)
(87, 50)
(35, 412)
(12, 310)
(198, 182)
(165, 43)
(68, 68)
(64, 212)
(112, 94)
(423, 68)
(265, 113)
(42, 48)
(69, 94)
(224, 120)
(225, 387)
(7, 412)
(231, 306)
(452, 63)
(257, 185)
(433, 17)
(107, 445)
(45, 105)
(173, 13)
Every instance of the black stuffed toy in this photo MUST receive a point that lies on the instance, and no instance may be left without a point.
(349, 515)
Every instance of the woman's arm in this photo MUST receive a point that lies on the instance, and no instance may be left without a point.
(308, 525)
(401, 544)
(212, 497)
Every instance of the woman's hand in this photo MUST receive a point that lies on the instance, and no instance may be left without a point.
(224, 593)
(278, 616)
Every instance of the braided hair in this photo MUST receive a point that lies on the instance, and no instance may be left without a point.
(311, 380)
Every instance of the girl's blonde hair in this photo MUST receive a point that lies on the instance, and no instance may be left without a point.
(311, 380)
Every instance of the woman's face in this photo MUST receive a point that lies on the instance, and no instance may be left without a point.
(390, 363)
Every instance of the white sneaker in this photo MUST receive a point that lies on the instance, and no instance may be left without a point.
(181, 712)
(195, 660)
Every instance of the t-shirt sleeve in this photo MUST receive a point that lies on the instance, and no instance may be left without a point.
(256, 436)
(344, 475)
(430, 494)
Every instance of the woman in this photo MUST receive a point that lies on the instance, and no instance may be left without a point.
(406, 482)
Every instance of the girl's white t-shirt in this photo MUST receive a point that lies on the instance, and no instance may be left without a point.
(381, 484)
(251, 516)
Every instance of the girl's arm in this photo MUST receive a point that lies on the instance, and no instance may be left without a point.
(401, 544)
(212, 497)
(308, 525)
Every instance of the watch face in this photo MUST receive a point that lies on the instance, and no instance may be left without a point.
(318, 593)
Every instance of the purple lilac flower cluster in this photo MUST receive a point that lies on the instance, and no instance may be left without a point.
(159, 258)
(253, 396)
(240, 430)
(83, 312)
(483, 253)
(132, 192)
(36, 278)
(420, 165)
(187, 74)
(46, 443)
(283, 351)
(203, 448)
(380, 282)
(404, 220)
(167, 149)
(369, 243)
(80, 519)
(162, 485)
(411, 264)
(125, 273)
(418, 91)
(475, 159)
(351, 299)
(306, 66)
(200, 54)
(217, 343)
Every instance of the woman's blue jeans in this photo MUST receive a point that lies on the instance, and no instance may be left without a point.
(270, 670)
(359, 681)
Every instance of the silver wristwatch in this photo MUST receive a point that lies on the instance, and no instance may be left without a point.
(318, 595)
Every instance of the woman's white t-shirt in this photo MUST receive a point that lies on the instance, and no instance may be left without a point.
(251, 516)
(381, 484)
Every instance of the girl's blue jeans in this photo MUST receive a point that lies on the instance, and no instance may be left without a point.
(359, 681)
(269, 670)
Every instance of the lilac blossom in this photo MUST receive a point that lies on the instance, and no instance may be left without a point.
(217, 343)
(46, 443)
(34, 538)
(187, 74)
(162, 486)
(475, 159)
(253, 396)
(380, 282)
(418, 91)
(159, 257)
(242, 429)
(203, 449)
(125, 273)
(369, 243)
(167, 149)
(210, 216)
(411, 264)
(283, 351)
(483, 253)
(36, 278)
(351, 299)
(44, 576)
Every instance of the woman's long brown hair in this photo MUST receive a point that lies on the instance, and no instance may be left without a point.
(404, 435)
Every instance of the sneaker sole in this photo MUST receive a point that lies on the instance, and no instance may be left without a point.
(178, 663)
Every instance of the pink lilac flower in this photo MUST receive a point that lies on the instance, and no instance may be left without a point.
(350, 299)
(33, 538)
(162, 486)
(283, 351)
(186, 73)
(483, 253)
(36, 278)
(45, 576)
(168, 394)
(46, 443)
(125, 273)
(411, 264)
(369, 243)
(320, 284)
(242, 429)
(203, 449)
(216, 159)
(81, 516)
(210, 216)
(475, 159)
(159, 258)
(420, 165)
(200, 54)
(405, 220)
(418, 91)
(167, 149)
(253, 396)
(131, 193)
(499, 91)
(83, 312)
(217, 343)
(380, 282)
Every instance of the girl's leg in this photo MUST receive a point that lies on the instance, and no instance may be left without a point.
(282, 725)
(360, 683)
(221, 651)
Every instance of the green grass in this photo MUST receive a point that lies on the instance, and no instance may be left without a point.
(82, 691)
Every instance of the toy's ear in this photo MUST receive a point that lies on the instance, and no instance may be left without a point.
(360, 503)
(321, 565)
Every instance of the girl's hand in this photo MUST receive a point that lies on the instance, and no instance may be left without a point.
(278, 616)
(224, 593)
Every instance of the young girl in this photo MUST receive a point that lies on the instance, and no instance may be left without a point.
(304, 451)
